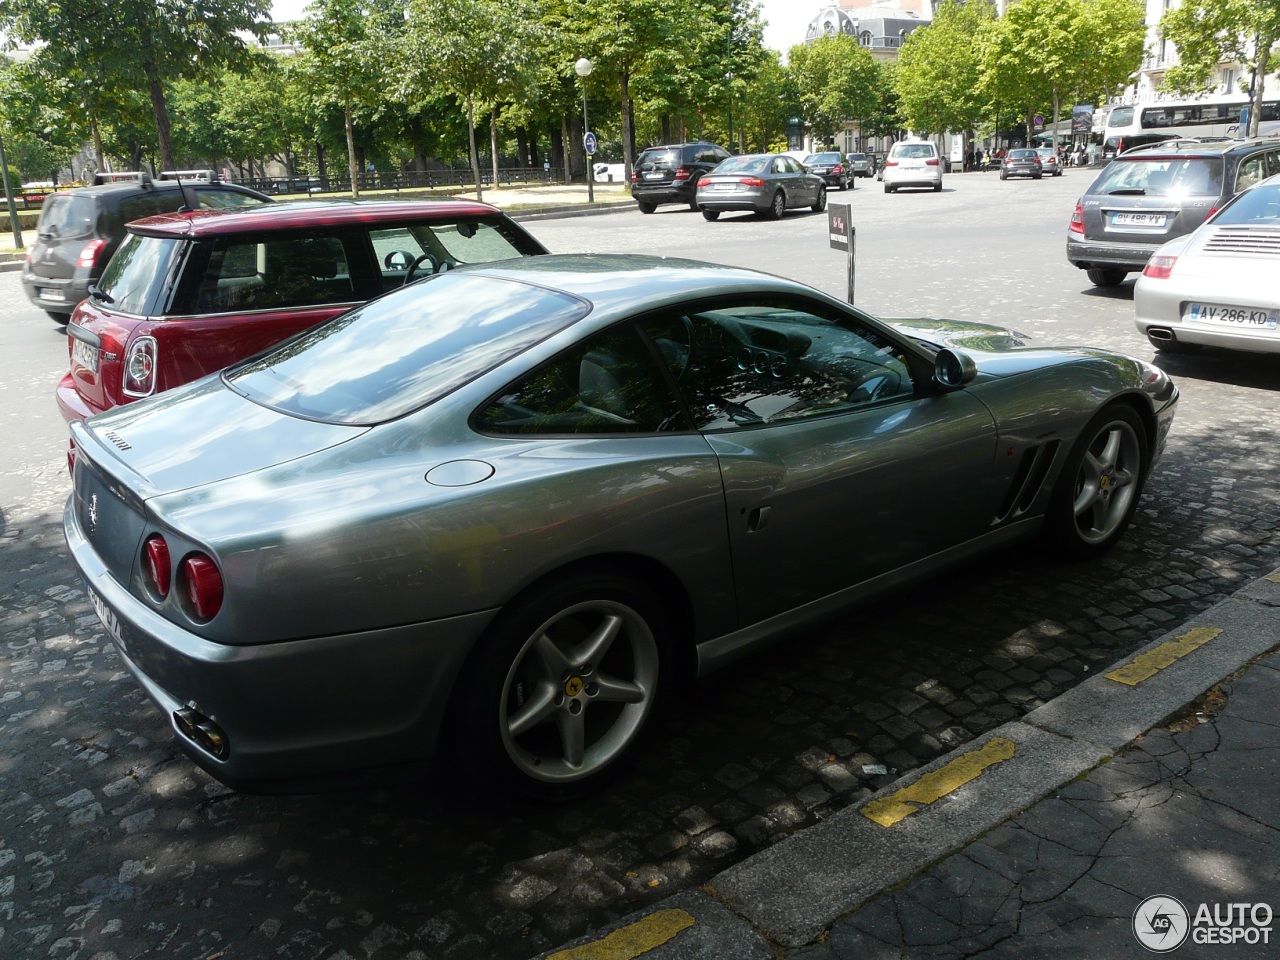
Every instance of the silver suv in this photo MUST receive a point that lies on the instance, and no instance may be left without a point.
(1155, 193)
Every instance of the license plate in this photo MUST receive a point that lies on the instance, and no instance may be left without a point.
(1138, 219)
(653, 176)
(84, 355)
(106, 615)
(1245, 318)
(51, 293)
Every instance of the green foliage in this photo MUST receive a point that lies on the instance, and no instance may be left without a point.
(940, 68)
(835, 79)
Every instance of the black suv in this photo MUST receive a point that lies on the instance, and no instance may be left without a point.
(1155, 193)
(80, 228)
(669, 174)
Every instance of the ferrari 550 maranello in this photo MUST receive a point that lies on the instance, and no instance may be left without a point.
(497, 514)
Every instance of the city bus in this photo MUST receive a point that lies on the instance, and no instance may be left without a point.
(1210, 118)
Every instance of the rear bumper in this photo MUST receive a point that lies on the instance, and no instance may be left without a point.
(54, 295)
(1087, 254)
(71, 404)
(681, 192)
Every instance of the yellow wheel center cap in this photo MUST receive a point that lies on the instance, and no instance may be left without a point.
(573, 686)
(1105, 483)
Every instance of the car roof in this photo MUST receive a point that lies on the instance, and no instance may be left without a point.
(633, 283)
(1195, 148)
(306, 213)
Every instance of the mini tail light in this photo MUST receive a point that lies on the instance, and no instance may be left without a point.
(682, 174)
(155, 565)
(1077, 220)
(89, 253)
(140, 368)
(203, 586)
(1159, 268)
(704, 182)
(751, 181)
(932, 162)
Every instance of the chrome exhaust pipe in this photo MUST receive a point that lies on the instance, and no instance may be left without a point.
(1162, 334)
(202, 731)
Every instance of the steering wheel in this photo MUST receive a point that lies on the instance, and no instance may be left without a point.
(419, 261)
(397, 260)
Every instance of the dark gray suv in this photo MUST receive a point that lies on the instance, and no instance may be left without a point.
(1155, 193)
(80, 228)
(669, 174)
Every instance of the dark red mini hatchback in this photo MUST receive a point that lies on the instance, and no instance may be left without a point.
(187, 294)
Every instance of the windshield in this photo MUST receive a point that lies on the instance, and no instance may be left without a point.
(405, 350)
(1162, 177)
(1259, 206)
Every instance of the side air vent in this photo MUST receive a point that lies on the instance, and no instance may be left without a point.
(1028, 479)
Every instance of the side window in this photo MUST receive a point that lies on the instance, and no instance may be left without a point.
(762, 363)
(1273, 163)
(148, 204)
(1252, 170)
(396, 248)
(606, 385)
(275, 272)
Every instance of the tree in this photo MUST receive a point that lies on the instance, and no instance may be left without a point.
(835, 79)
(940, 69)
(1208, 32)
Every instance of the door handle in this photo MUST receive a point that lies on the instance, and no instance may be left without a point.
(757, 519)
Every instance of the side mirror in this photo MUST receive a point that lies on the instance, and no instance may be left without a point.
(953, 368)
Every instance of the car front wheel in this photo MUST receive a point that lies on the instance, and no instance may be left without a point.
(1101, 481)
(561, 688)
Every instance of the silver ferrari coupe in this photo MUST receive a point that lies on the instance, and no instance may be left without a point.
(495, 515)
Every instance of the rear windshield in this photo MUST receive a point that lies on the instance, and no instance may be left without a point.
(914, 151)
(1161, 177)
(822, 158)
(658, 160)
(857, 156)
(65, 215)
(1022, 154)
(135, 271)
(405, 350)
(744, 165)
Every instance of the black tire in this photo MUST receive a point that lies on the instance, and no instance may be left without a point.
(937, 187)
(710, 214)
(821, 203)
(61, 319)
(1105, 276)
(693, 205)
(777, 206)
(580, 665)
(1003, 175)
(888, 189)
(1101, 482)
(646, 207)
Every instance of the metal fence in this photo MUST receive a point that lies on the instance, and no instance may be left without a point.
(428, 180)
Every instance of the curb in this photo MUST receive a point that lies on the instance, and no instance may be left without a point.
(570, 210)
(786, 896)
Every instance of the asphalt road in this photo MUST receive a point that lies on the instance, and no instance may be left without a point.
(113, 844)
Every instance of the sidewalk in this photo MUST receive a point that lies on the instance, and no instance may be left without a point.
(1087, 829)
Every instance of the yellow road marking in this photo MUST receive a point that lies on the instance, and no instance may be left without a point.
(1275, 577)
(633, 940)
(1153, 661)
(934, 786)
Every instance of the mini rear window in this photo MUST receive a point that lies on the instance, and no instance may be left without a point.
(405, 350)
(135, 271)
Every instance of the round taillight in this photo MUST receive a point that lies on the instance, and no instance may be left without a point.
(155, 565)
(203, 585)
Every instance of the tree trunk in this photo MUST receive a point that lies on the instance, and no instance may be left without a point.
(627, 138)
(160, 110)
(97, 143)
(493, 143)
(1263, 52)
(351, 150)
(567, 136)
(475, 155)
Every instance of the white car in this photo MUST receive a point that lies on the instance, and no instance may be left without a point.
(912, 163)
(1216, 286)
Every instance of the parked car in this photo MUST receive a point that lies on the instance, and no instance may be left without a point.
(670, 173)
(1150, 195)
(495, 516)
(187, 294)
(1050, 162)
(1021, 162)
(766, 183)
(1215, 286)
(861, 164)
(832, 166)
(80, 228)
(912, 163)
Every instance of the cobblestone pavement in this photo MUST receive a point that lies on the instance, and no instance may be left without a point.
(113, 845)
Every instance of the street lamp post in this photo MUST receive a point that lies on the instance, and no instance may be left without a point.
(583, 69)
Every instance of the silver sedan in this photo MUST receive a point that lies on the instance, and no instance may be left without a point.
(498, 515)
(1216, 286)
(765, 183)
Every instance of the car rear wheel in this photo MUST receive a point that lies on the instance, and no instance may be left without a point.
(59, 318)
(710, 214)
(888, 189)
(1105, 276)
(821, 203)
(647, 207)
(777, 207)
(937, 187)
(562, 687)
(1101, 481)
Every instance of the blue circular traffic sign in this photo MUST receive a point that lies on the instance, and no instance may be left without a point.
(589, 141)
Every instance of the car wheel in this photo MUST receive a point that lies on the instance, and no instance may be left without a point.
(1003, 175)
(888, 189)
(1037, 176)
(777, 207)
(561, 687)
(821, 203)
(1105, 276)
(710, 214)
(693, 205)
(647, 207)
(937, 187)
(1101, 481)
(59, 318)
